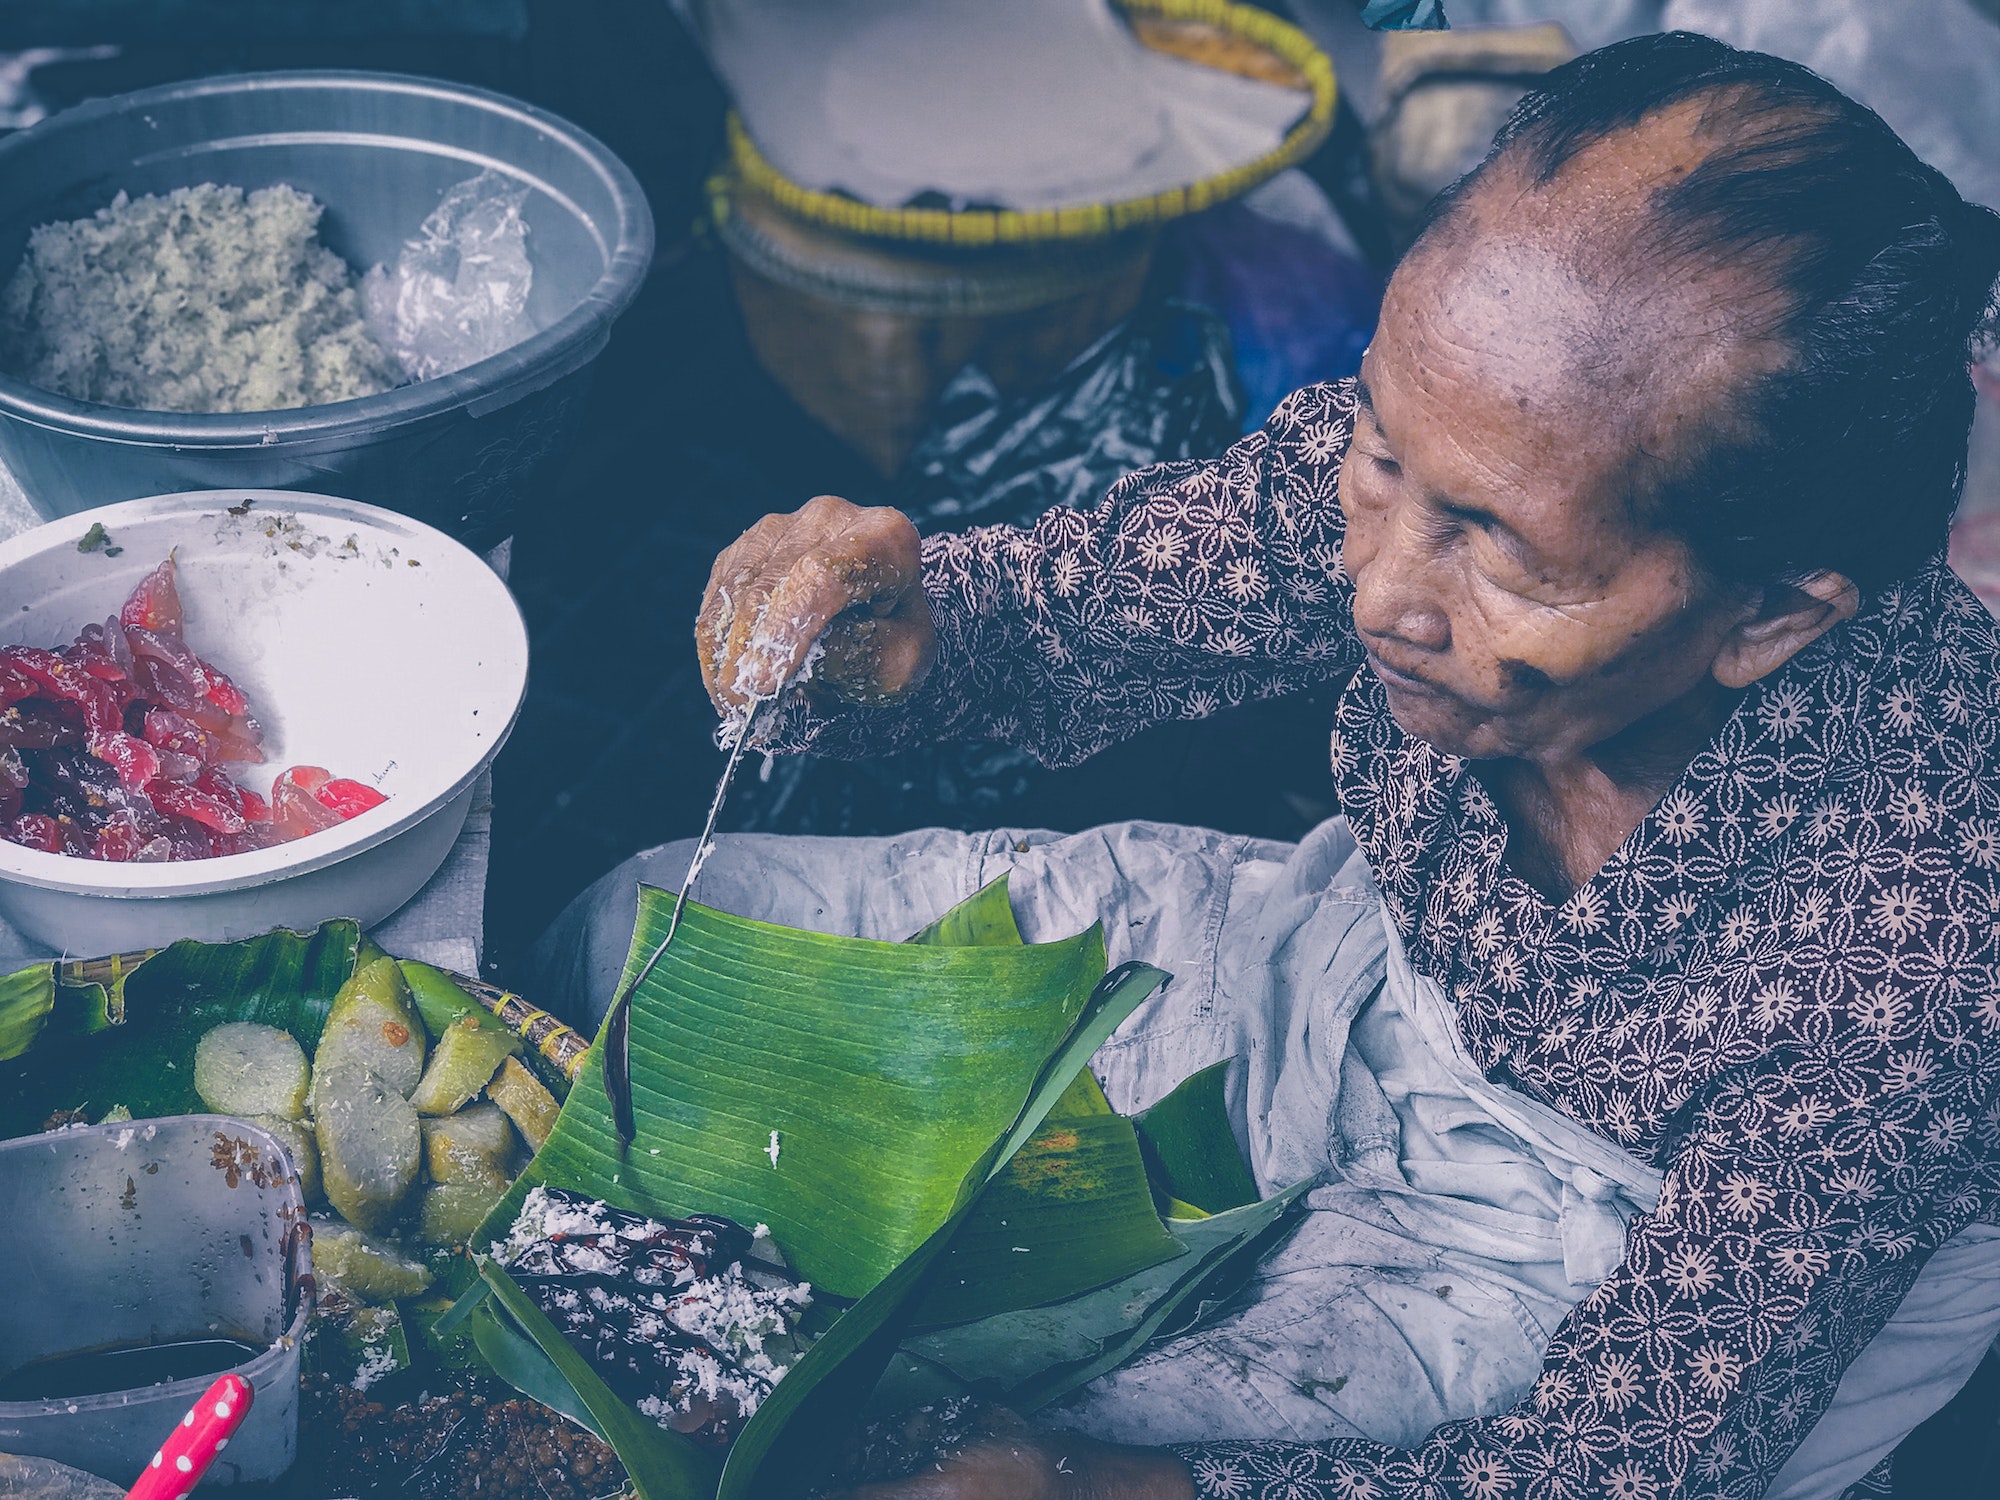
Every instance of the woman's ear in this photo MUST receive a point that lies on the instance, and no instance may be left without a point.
(1787, 619)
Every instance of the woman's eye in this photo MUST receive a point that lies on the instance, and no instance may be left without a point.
(1383, 465)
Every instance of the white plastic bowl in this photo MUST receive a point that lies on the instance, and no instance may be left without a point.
(369, 643)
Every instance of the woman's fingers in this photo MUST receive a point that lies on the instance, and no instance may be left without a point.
(829, 571)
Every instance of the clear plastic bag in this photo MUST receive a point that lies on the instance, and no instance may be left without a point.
(45, 1479)
(459, 290)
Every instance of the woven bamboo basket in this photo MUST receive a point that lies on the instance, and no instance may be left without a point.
(862, 314)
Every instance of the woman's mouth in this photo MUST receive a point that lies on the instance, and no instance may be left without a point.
(1395, 678)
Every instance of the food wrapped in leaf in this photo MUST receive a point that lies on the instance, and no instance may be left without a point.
(362, 1267)
(898, 1080)
(464, 1058)
(372, 1024)
(532, 1108)
(477, 1144)
(673, 1316)
(301, 1145)
(245, 1069)
(370, 1144)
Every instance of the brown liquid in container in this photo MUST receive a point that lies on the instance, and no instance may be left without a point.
(123, 1367)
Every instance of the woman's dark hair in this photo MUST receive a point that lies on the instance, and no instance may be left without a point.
(1850, 457)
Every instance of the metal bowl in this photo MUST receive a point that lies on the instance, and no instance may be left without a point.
(378, 150)
(369, 643)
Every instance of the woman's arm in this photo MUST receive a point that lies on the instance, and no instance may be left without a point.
(1192, 587)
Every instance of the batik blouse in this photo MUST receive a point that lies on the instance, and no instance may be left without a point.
(1781, 990)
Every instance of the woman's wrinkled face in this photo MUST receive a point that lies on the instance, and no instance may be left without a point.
(1512, 595)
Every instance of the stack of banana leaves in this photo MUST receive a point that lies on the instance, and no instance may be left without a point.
(914, 1125)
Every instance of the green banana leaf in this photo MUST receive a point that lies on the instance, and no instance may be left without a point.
(26, 999)
(1028, 1354)
(878, 1066)
(1191, 1148)
(129, 1038)
(1072, 1211)
(1031, 1357)
(985, 919)
(672, 1465)
(899, 1079)
(813, 1414)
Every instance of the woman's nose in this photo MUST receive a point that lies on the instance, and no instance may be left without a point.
(1395, 596)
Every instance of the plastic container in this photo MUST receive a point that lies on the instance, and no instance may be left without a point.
(159, 1230)
(369, 643)
(864, 334)
(379, 150)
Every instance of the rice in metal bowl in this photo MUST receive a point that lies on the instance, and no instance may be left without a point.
(205, 299)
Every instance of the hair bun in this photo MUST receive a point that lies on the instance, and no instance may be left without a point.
(1976, 256)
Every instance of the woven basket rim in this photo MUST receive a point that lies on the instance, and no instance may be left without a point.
(749, 169)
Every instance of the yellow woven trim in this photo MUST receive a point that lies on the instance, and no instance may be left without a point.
(1086, 221)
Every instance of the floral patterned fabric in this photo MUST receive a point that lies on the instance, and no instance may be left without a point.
(1781, 990)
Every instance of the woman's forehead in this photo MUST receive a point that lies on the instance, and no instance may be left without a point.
(1517, 362)
(1507, 311)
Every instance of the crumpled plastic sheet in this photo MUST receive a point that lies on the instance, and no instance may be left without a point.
(1158, 387)
(1404, 15)
(1299, 310)
(459, 290)
(45, 1479)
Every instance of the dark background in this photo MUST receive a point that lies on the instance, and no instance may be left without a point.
(684, 443)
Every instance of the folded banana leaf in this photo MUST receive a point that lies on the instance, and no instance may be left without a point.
(854, 1096)
(1072, 1210)
(1035, 1356)
(1190, 1148)
(26, 999)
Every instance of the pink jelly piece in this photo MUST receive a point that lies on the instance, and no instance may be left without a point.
(295, 813)
(349, 798)
(225, 694)
(177, 767)
(185, 802)
(217, 785)
(39, 725)
(171, 653)
(308, 779)
(101, 709)
(37, 831)
(156, 603)
(135, 761)
(120, 839)
(189, 840)
(14, 683)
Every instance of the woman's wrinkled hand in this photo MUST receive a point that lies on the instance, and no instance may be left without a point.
(847, 576)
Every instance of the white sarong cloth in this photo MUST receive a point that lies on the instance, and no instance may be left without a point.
(1456, 1222)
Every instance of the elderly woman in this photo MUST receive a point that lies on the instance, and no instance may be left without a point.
(1639, 1020)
